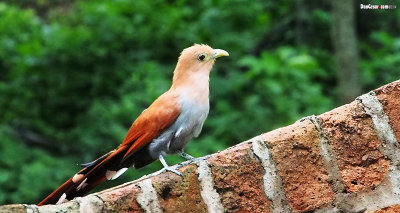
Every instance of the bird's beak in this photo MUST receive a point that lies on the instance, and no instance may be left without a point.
(219, 53)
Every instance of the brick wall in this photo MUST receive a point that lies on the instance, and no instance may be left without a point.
(345, 160)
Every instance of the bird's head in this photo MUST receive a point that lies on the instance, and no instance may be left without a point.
(197, 60)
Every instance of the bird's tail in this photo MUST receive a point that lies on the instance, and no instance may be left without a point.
(107, 167)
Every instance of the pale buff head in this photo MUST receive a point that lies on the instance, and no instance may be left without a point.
(196, 60)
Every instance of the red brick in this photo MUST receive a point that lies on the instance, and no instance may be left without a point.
(390, 209)
(355, 144)
(177, 194)
(238, 177)
(121, 198)
(389, 96)
(296, 152)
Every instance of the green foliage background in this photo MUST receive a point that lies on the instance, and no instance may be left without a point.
(75, 74)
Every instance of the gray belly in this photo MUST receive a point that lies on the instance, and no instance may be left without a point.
(188, 125)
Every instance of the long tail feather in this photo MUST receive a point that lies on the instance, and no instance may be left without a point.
(104, 168)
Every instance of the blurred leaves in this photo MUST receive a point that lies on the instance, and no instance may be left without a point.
(285, 78)
(382, 62)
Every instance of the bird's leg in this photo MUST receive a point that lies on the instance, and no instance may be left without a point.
(168, 168)
(185, 155)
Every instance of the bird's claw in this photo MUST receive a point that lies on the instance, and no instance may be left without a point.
(185, 155)
(169, 169)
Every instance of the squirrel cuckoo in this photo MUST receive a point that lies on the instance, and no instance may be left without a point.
(163, 128)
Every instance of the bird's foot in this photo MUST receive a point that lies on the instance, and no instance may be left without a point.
(185, 155)
(168, 168)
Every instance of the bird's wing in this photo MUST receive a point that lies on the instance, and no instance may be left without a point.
(151, 123)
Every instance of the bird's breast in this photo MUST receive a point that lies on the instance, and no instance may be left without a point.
(193, 113)
(189, 123)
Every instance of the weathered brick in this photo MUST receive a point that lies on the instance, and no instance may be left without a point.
(296, 152)
(390, 209)
(389, 96)
(238, 176)
(17, 208)
(121, 198)
(177, 194)
(355, 143)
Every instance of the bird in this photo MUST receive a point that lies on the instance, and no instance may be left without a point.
(165, 127)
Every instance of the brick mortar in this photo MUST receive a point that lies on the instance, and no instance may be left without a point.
(389, 192)
(332, 166)
(272, 185)
(328, 156)
(93, 202)
(374, 108)
(210, 196)
(31, 208)
(147, 198)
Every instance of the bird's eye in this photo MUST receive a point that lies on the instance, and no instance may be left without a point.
(201, 57)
